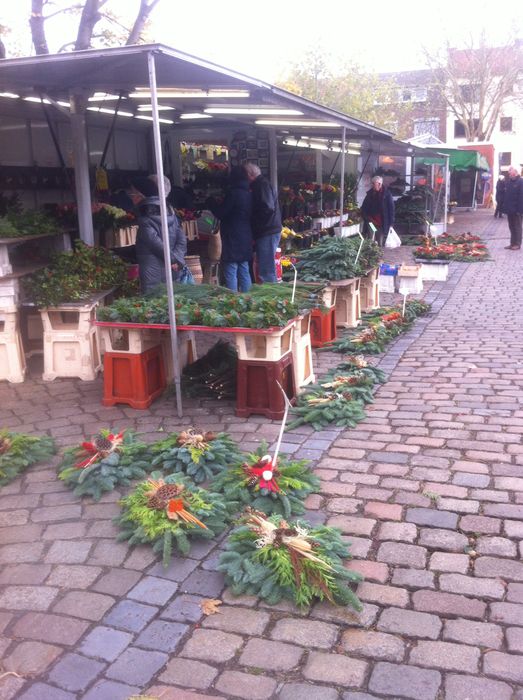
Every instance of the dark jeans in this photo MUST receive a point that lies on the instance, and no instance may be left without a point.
(237, 276)
(515, 225)
(265, 248)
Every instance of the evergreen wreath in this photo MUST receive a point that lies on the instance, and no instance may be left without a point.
(258, 483)
(339, 397)
(108, 460)
(198, 455)
(19, 451)
(273, 559)
(168, 512)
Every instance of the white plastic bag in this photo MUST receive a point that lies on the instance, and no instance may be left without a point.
(393, 240)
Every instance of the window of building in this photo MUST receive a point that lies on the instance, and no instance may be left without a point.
(505, 124)
(406, 96)
(505, 158)
(459, 128)
(419, 94)
(426, 126)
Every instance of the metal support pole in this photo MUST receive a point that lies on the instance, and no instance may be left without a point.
(81, 167)
(447, 191)
(342, 175)
(165, 228)
(474, 204)
(273, 159)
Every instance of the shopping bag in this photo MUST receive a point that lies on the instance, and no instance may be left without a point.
(186, 276)
(393, 240)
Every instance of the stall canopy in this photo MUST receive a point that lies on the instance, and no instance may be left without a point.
(459, 159)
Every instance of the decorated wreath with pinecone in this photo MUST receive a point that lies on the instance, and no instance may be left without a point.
(168, 513)
(106, 461)
(199, 455)
(19, 451)
(274, 559)
(272, 488)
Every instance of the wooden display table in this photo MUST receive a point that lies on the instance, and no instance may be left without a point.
(348, 310)
(370, 290)
(12, 357)
(302, 352)
(265, 358)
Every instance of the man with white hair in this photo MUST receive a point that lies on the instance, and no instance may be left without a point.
(378, 208)
(513, 207)
(265, 221)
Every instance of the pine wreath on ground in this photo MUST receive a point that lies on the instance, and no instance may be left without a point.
(198, 455)
(19, 451)
(274, 559)
(108, 460)
(168, 513)
(256, 482)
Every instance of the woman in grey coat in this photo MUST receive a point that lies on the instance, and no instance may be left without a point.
(149, 241)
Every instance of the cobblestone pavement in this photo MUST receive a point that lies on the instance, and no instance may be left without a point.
(428, 489)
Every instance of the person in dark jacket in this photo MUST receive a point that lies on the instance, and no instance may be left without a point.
(378, 208)
(501, 185)
(149, 241)
(235, 231)
(266, 222)
(513, 207)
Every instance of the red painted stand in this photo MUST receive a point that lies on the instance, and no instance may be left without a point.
(323, 327)
(134, 379)
(257, 390)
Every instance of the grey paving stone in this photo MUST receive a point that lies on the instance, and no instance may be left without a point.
(41, 691)
(206, 583)
(405, 681)
(153, 590)
(111, 690)
(431, 518)
(131, 616)
(300, 691)
(162, 635)
(105, 643)
(189, 673)
(185, 608)
(178, 569)
(75, 672)
(137, 666)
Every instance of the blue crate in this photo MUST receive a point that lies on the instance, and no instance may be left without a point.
(390, 270)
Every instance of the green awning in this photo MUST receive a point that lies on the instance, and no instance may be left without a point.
(459, 159)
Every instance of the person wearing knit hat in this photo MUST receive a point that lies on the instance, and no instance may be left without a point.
(149, 241)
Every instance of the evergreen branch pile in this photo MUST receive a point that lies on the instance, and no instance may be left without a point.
(214, 374)
(274, 559)
(335, 259)
(272, 489)
(19, 451)
(197, 455)
(107, 461)
(167, 513)
(339, 397)
(379, 328)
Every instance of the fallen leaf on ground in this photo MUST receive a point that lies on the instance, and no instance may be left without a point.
(210, 606)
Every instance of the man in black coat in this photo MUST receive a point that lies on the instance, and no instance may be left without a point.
(149, 241)
(378, 208)
(235, 230)
(513, 207)
(266, 222)
(501, 186)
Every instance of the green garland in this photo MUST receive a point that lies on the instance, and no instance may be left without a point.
(243, 484)
(379, 328)
(339, 397)
(145, 515)
(274, 559)
(108, 461)
(19, 451)
(199, 456)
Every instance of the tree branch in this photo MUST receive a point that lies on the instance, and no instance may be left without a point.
(36, 22)
(90, 17)
(143, 15)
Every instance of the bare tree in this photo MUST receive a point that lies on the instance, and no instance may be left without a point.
(476, 82)
(94, 24)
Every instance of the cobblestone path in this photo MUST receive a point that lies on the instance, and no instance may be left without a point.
(428, 489)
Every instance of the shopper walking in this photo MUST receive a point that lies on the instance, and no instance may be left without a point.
(265, 220)
(378, 209)
(235, 230)
(513, 207)
(501, 186)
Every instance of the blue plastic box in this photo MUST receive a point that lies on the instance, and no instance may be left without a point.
(390, 270)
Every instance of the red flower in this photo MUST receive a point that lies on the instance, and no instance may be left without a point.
(264, 473)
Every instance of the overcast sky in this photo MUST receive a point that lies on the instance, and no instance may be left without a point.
(261, 39)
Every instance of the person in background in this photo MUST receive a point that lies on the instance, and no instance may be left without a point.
(149, 241)
(235, 231)
(265, 220)
(378, 209)
(513, 207)
(501, 186)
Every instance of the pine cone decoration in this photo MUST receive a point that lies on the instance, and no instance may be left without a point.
(5, 444)
(160, 497)
(102, 444)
